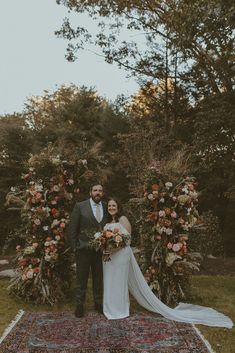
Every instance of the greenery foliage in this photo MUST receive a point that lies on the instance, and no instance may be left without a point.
(207, 239)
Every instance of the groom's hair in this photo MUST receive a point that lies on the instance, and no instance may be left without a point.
(94, 183)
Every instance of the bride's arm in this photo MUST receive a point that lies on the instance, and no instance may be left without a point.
(125, 223)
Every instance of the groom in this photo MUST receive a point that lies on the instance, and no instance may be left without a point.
(88, 217)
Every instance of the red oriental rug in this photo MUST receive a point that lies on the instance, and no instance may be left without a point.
(48, 332)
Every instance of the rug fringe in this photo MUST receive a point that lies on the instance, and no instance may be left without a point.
(11, 325)
(208, 346)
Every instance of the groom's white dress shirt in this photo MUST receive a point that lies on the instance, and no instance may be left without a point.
(94, 207)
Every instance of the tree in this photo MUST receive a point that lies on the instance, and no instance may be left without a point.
(190, 43)
(16, 143)
(213, 148)
(69, 114)
(81, 118)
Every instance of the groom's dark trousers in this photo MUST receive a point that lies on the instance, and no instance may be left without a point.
(83, 226)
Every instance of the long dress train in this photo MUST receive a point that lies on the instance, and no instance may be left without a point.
(123, 272)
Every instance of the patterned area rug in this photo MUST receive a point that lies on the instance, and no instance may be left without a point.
(62, 333)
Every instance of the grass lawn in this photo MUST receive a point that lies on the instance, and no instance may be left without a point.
(214, 291)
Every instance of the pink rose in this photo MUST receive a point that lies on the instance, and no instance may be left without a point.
(173, 214)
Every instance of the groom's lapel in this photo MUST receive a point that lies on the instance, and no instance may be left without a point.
(90, 212)
(104, 205)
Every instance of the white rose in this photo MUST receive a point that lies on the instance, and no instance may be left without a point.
(38, 188)
(170, 258)
(168, 185)
(29, 250)
(176, 247)
(56, 188)
(47, 257)
(84, 161)
(193, 194)
(161, 213)
(97, 235)
(169, 231)
(185, 190)
(55, 161)
(55, 223)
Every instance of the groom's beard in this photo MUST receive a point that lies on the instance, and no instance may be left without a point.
(97, 198)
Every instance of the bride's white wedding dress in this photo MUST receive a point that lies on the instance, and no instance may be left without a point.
(123, 273)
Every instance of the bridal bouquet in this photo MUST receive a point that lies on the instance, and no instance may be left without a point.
(109, 241)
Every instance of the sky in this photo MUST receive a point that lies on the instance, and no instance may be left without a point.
(33, 60)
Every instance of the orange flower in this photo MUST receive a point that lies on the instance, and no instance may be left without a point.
(116, 230)
(108, 234)
(22, 262)
(153, 216)
(167, 222)
(36, 270)
(183, 237)
(191, 187)
(178, 269)
(54, 212)
(155, 187)
(183, 250)
(38, 196)
(167, 211)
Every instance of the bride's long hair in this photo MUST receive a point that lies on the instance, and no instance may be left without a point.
(119, 208)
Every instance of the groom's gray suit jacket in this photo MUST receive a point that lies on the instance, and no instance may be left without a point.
(83, 224)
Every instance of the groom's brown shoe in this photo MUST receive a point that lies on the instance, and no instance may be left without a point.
(99, 308)
(79, 311)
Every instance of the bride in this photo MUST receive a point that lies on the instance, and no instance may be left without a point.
(122, 274)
